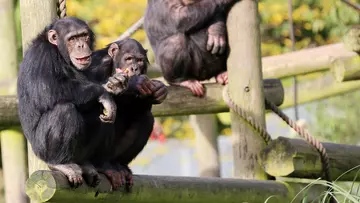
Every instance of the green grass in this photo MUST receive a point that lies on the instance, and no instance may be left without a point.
(343, 192)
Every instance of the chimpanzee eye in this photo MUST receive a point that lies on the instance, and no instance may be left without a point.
(71, 38)
(129, 58)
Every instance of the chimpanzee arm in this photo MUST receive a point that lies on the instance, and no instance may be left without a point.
(187, 18)
(53, 91)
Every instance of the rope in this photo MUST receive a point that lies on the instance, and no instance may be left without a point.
(267, 138)
(353, 5)
(132, 29)
(62, 8)
(263, 133)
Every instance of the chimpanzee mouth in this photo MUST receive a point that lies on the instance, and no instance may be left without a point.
(84, 60)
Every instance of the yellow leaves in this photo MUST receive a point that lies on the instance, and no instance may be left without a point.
(261, 7)
(72, 7)
(109, 18)
(277, 19)
(269, 49)
(307, 26)
(287, 42)
(299, 12)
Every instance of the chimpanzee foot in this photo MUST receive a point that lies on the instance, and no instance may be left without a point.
(222, 78)
(72, 171)
(114, 176)
(127, 176)
(90, 175)
(195, 86)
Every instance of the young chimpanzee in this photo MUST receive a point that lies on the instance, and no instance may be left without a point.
(189, 40)
(134, 122)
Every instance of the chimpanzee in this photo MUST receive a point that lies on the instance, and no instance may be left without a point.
(59, 107)
(134, 118)
(189, 40)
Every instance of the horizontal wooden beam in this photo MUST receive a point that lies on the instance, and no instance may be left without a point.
(180, 101)
(318, 86)
(299, 62)
(47, 186)
(295, 158)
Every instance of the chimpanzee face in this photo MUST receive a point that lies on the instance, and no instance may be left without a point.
(129, 56)
(74, 40)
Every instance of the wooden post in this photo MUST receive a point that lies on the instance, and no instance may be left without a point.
(246, 88)
(206, 146)
(13, 143)
(8, 56)
(13, 155)
(35, 15)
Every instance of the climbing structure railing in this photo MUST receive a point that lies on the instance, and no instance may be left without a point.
(282, 157)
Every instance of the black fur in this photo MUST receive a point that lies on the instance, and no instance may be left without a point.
(178, 35)
(59, 108)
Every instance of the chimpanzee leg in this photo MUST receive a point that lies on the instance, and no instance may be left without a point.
(130, 143)
(141, 129)
(179, 61)
(56, 142)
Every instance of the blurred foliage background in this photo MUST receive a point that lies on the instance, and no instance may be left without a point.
(316, 22)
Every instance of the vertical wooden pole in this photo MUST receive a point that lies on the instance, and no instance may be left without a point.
(8, 56)
(12, 140)
(13, 155)
(246, 87)
(35, 15)
(206, 133)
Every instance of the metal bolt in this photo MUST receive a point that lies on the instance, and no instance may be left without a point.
(247, 89)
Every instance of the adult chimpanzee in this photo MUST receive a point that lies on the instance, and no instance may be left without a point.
(59, 106)
(135, 120)
(189, 40)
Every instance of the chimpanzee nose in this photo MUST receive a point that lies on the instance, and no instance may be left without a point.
(133, 69)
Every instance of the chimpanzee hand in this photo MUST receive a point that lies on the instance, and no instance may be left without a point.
(144, 85)
(109, 113)
(154, 88)
(117, 83)
(159, 91)
(216, 38)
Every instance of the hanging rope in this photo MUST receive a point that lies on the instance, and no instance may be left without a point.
(352, 5)
(132, 29)
(267, 138)
(61, 11)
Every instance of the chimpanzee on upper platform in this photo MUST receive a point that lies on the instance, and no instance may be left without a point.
(189, 40)
(62, 111)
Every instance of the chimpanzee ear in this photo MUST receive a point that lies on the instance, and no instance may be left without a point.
(52, 37)
(113, 50)
(146, 51)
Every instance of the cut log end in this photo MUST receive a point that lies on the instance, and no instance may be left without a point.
(41, 186)
(352, 39)
(276, 158)
(346, 69)
(296, 158)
